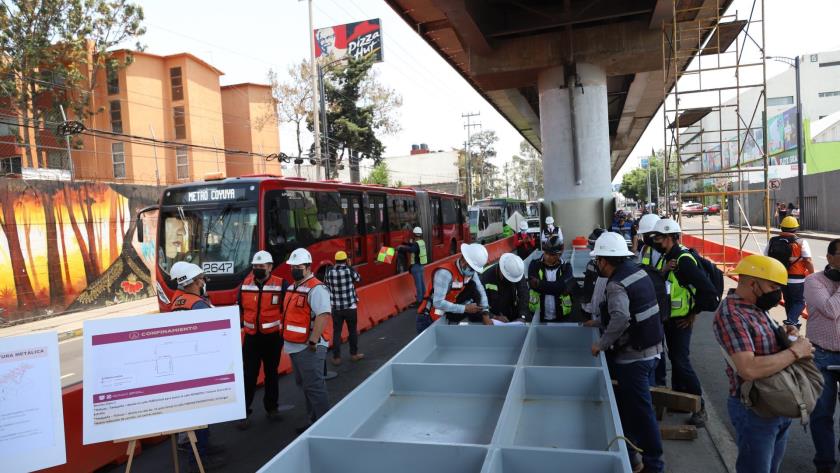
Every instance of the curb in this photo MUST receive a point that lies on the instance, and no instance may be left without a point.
(722, 440)
(812, 236)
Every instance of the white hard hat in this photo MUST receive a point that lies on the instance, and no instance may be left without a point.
(523, 225)
(417, 231)
(300, 256)
(184, 273)
(475, 255)
(667, 226)
(549, 220)
(262, 257)
(611, 244)
(512, 266)
(647, 222)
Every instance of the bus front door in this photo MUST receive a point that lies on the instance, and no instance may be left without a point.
(354, 225)
(376, 234)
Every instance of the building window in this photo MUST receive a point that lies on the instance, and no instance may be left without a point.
(832, 93)
(776, 101)
(182, 163)
(176, 83)
(118, 159)
(180, 124)
(113, 80)
(815, 57)
(10, 165)
(116, 117)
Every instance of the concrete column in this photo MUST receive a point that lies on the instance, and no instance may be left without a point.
(580, 205)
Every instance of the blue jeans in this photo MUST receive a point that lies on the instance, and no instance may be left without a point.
(636, 410)
(683, 377)
(794, 295)
(659, 375)
(761, 442)
(822, 419)
(419, 283)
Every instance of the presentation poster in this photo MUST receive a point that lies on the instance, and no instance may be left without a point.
(31, 415)
(161, 372)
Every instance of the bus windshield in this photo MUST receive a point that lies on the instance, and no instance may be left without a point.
(221, 240)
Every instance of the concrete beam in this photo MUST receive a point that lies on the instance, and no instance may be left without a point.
(516, 108)
(624, 48)
(462, 18)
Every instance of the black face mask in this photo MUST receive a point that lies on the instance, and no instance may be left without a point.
(297, 274)
(768, 300)
(260, 273)
(832, 273)
(658, 247)
(648, 239)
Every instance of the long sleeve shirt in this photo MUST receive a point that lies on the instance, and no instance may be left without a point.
(823, 298)
(441, 282)
(618, 305)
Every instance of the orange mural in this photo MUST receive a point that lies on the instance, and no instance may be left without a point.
(71, 246)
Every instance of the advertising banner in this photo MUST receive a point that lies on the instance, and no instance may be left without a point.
(357, 40)
(781, 132)
(155, 373)
(31, 415)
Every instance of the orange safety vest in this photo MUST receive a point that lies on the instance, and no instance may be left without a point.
(455, 288)
(297, 314)
(261, 305)
(797, 267)
(185, 301)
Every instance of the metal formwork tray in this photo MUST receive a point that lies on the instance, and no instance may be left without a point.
(473, 399)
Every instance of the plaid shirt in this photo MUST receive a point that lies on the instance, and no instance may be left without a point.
(740, 326)
(340, 279)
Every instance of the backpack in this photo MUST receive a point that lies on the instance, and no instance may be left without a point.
(662, 297)
(714, 274)
(780, 248)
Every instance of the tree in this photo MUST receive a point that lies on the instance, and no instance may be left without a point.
(482, 149)
(634, 183)
(53, 52)
(527, 172)
(379, 174)
(293, 97)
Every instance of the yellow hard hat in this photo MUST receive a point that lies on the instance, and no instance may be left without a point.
(789, 223)
(763, 267)
(340, 256)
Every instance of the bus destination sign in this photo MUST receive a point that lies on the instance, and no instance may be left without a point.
(212, 194)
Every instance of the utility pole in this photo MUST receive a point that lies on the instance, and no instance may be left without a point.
(507, 182)
(326, 136)
(316, 127)
(800, 151)
(468, 153)
(154, 150)
(67, 142)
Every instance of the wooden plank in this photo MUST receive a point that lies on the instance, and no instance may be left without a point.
(674, 400)
(678, 432)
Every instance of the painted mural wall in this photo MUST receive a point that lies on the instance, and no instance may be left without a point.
(72, 246)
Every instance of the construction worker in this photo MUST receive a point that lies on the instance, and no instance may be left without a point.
(507, 291)
(691, 292)
(456, 291)
(260, 300)
(192, 295)
(647, 255)
(415, 251)
(342, 279)
(594, 285)
(795, 254)
(743, 329)
(550, 280)
(307, 331)
(632, 337)
(623, 226)
(523, 241)
(550, 230)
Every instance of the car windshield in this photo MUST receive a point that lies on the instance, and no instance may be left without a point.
(220, 240)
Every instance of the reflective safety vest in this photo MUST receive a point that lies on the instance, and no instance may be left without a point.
(645, 325)
(798, 268)
(682, 298)
(455, 287)
(297, 313)
(185, 301)
(534, 296)
(423, 257)
(261, 306)
(647, 255)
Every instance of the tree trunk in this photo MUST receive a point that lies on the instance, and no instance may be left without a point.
(27, 231)
(87, 213)
(53, 262)
(113, 221)
(59, 222)
(90, 275)
(23, 287)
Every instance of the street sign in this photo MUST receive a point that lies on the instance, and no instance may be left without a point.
(775, 184)
(644, 163)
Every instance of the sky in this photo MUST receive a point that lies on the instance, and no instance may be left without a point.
(247, 38)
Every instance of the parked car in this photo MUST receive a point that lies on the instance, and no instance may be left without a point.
(713, 209)
(692, 208)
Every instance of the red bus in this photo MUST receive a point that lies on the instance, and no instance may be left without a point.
(220, 224)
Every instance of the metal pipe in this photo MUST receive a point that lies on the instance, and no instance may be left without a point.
(571, 83)
(800, 151)
(326, 139)
(315, 119)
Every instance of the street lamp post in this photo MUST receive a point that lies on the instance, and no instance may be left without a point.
(800, 141)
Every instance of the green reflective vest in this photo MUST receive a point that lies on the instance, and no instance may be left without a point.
(423, 258)
(647, 252)
(534, 298)
(507, 231)
(682, 298)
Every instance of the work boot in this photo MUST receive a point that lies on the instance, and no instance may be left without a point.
(274, 415)
(335, 361)
(243, 424)
(699, 418)
(357, 356)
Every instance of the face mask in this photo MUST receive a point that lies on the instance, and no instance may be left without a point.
(297, 274)
(550, 228)
(260, 273)
(648, 239)
(658, 247)
(768, 300)
(832, 273)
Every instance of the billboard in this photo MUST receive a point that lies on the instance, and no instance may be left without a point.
(356, 40)
(781, 132)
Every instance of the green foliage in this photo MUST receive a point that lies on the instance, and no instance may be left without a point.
(526, 176)
(634, 183)
(379, 175)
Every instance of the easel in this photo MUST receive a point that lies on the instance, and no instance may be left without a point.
(173, 435)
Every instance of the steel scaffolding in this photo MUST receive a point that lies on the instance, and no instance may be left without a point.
(714, 116)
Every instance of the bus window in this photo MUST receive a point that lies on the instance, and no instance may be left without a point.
(410, 218)
(450, 216)
(296, 219)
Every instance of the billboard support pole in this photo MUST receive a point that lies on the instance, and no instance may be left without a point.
(315, 119)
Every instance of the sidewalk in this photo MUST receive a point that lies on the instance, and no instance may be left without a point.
(804, 234)
(70, 325)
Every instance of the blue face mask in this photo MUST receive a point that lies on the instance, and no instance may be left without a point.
(468, 271)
